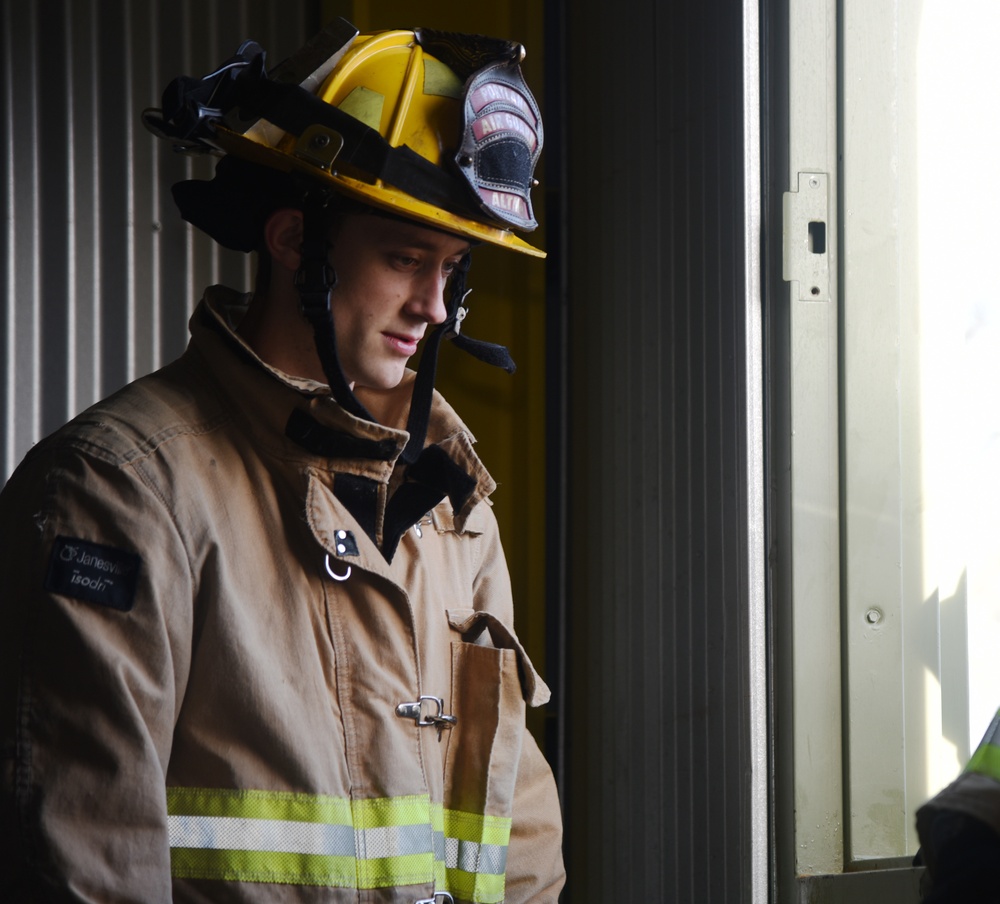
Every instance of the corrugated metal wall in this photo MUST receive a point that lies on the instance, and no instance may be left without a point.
(659, 741)
(98, 271)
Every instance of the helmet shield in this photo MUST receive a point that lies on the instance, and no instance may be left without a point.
(501, 143)
(501, 132)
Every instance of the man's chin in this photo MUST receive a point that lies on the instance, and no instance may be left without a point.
(385, 381)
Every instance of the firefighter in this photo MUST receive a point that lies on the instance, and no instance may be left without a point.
(256, 634)
(959, 831)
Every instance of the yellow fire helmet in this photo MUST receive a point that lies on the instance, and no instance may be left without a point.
(433, 126)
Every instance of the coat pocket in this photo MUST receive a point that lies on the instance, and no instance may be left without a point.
(492, 682)
(484, 629)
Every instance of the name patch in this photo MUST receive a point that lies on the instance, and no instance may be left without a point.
(93, 573)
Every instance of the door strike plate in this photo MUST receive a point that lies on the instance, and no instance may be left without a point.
(806, 237)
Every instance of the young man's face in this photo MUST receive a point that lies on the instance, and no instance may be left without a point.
(391, 276)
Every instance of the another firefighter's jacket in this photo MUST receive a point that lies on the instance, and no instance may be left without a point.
(243, 659)
(959, 830)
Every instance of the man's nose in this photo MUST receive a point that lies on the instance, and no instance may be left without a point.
(427, 301)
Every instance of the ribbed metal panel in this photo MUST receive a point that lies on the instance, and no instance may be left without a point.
(99, 273)
(660, 747)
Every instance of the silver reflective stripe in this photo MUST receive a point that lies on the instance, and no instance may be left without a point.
(393, 841)
(471, 857)
(243, 834)
(222, 833)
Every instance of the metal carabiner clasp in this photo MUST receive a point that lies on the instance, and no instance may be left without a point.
(438, 894)
(415, 711)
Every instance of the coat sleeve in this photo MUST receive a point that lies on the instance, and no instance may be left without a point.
(535, 870)
(94, 621)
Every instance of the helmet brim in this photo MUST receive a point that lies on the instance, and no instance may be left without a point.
(377, 194)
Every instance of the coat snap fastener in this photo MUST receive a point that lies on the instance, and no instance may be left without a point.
(344, 543)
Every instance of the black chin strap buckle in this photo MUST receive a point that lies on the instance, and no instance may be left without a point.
(315, 280)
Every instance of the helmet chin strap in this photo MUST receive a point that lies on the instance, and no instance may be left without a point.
(423, 386)
(316, 280)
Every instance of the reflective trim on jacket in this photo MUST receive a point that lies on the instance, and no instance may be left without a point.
(975, 793)
(300, 839)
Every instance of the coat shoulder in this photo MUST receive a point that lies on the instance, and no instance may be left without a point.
(137, 420)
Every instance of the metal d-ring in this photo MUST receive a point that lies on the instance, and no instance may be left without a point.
(333, 574)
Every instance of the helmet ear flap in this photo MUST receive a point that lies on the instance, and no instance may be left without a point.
(234, 205)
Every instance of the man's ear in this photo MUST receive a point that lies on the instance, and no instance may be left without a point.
(283, 237)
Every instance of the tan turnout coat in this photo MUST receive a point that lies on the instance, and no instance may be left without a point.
(198, 706)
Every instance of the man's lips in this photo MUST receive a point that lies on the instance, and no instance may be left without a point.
(406, 345)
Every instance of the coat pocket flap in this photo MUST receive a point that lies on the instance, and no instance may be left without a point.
(472, 624)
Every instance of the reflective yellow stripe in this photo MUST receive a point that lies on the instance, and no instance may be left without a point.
(986, 759)
(259, 805)
(301, 839)
(472, 887)
(476, 855)
(298, 869)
